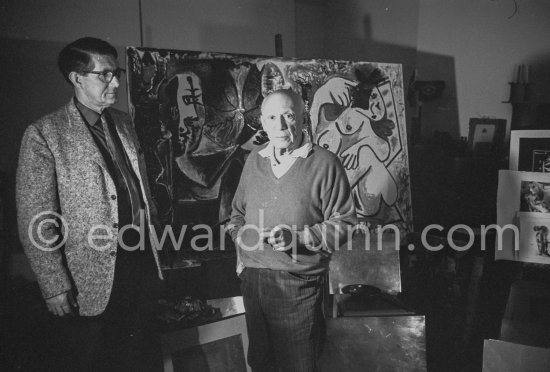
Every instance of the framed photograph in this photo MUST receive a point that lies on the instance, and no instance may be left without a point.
(533, 238)
(486, 136)
(530, 150)
(535, 196)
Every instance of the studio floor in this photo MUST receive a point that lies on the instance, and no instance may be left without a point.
(461, 296)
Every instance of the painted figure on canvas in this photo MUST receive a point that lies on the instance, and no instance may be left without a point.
(204, 132)
(182, 114)
(356, 120)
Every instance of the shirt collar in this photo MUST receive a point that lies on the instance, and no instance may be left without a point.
(90, 116)
(300, 152)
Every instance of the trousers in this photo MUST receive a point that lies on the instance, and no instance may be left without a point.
(285, 320)
(123, 337)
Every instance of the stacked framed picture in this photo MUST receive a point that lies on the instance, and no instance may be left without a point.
(530, 150)
(523, 202)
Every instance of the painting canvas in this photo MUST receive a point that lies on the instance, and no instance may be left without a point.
(197, 116)
(372, 260)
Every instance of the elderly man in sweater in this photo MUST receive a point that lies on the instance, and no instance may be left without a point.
(292, 208)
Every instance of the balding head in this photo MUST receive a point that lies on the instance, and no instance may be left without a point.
(296, 99)
(283, 118)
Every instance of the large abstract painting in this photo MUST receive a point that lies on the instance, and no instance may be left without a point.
(197, 116)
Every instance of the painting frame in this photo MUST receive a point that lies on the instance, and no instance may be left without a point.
(486, 136)
(524, 141)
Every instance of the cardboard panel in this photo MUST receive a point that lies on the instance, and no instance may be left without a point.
(502, 356)
(388, 344)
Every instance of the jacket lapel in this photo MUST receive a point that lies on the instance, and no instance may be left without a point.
(122, 128)
(79, 134)
(82, 141)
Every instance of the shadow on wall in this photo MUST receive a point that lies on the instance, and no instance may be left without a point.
(317, 40)
(540, 76)
(439, 115)
(32, 87)
(422, 120)
(535, 112)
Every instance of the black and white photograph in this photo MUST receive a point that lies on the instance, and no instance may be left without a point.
(275, 186)
(534, 239)
(541, 161)
(535, 197)
(522, 198)
(530, 150)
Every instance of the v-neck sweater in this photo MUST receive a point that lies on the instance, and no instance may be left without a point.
(313, 194)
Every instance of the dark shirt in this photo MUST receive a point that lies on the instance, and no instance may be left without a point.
(129, 198)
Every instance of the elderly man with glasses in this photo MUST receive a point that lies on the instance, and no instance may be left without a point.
(84, 209)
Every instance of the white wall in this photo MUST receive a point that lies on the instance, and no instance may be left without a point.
(232, 26)
(310, 28)
(484, 44)
(370, 30)
(66, 20)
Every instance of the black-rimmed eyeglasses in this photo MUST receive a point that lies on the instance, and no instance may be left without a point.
(108, 75)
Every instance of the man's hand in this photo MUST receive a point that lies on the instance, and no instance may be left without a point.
(62, 304)
(279, 238)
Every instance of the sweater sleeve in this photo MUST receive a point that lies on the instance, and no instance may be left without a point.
(338, 210)
(238, 206)
(37, 205)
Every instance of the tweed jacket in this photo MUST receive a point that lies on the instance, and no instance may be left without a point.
(61, 172)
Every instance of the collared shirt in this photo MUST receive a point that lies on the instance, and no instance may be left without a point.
(282, 163)
(129, 197)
